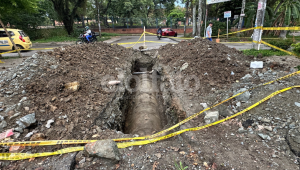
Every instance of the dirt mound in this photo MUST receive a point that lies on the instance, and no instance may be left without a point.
(216, 65)
(90, 67)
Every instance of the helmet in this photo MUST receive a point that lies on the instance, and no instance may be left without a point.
(87, 28)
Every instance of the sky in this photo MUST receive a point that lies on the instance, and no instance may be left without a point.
(179, 2)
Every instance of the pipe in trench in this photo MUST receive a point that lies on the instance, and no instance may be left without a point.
(145, 118)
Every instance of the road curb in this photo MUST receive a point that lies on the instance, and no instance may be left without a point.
(52, 44)
(112, 40)
(175, 39)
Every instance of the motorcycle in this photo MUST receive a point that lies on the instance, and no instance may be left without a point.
(159, 36)
(84, 40)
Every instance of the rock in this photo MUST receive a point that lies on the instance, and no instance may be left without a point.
(297, 104)
(226, 112)
(74, 86)
(265, 120)
(48, 125)
(26, 121)
(243, 97)
(18, 129)
(23, 99)
(292, 125)
(247, 123)
(37, 137)
(9, 92)
(242, 130)
(211, 116)
(247, 77)
(26, 108)
(238, 104)
(158, 155)
(52, 108)
(15, 115)
(103, 149)
(53, 67)
(263, 136)
(184, 66)
(293, 139)
(33, 65)
(269, 128)
(204, 105)
(3, 124)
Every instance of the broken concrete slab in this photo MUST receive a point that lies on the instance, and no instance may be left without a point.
(211, 116)
(243, 97)
(103, 149)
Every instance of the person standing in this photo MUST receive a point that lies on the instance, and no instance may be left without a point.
(209, 31)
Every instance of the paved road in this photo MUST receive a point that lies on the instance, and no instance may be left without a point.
(149, 45)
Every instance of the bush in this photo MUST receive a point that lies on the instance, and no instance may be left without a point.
(296, 48)
(283, 44)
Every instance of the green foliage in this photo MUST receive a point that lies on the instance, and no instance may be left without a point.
(281, 43)
(250, 12)
(264, 53)
(180, 166)
(298, 67)
(296, 48)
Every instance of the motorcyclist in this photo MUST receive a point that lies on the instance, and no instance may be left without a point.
(159, 31)
(88, 33)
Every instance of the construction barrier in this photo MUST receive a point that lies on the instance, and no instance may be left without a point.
(150, 139)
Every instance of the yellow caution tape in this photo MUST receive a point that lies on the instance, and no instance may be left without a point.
(161, 42)
(270, 45)
(20, 156)
(8, 52)
(1, 61)
(45, 143)
(238, 42)
(144, 142)
(282, 28)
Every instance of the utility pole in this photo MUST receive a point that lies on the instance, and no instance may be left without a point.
(259, 22)
(199, 17)
(16, 48)
(241, 17)
(97, 6)
(194, 19)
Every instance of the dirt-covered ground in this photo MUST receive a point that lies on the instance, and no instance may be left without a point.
(192, 75)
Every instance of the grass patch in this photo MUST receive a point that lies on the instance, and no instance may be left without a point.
(55, 39)
(6, 58)
(264, 53)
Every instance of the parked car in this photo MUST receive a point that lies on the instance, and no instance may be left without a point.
(169, 32)
(21, 40)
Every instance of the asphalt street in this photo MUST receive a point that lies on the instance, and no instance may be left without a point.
(123, 40)
(156, 43)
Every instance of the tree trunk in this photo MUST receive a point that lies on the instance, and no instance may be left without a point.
(82, 21)
(194, 20)
(98, 14)
(241, 17)
(283, 33)
(68, 22)
(199, 17)
(186, 15)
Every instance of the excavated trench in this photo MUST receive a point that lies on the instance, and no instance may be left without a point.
(144, 111)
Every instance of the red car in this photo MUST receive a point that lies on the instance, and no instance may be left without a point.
(169, 32)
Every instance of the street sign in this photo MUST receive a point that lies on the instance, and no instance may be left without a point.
(236, 16)
(227, 14)
(215, 1)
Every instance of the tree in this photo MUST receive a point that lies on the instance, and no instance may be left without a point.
(66, 10)
(199, 17)
(290, 12)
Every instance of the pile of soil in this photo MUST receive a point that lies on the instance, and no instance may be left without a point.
(214, 64)
(74, 112)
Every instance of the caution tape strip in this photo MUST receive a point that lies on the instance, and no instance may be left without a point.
(270, 45)
(238, 42)
(58, 142)
(20, 156)
(282, 28)
(144, 142)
